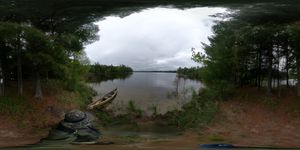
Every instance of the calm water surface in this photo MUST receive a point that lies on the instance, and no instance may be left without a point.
(165, 91)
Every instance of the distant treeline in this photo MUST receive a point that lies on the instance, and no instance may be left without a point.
(191, 73)
(159, 71)
(100, 72)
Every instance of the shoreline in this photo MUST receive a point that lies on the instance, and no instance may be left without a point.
(240, 121)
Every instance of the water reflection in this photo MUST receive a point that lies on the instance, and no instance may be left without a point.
(104, 77)
(165, 91)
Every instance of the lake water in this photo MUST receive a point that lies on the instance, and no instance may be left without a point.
(165, 91)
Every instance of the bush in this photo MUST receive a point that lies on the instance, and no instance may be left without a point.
(197, 113)
(219, 90)
(133, 111)
(81, 95)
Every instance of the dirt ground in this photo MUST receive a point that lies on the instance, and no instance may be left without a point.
(31, 127)
(243, 120)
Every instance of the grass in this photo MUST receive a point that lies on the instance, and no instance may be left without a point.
(132, 113)
(13, 106)
(295, 107)
(271, 102)
(154, 110)
(80, 96)
(197, 113)
(133, 110)
(28, 112)
(108, 119)
(215, 138)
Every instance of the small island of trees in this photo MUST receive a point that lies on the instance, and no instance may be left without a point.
(100, 72)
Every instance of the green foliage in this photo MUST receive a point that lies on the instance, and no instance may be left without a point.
(14, 106)
(241, 53)
(271, 102)
(154, 110)
(133, 111)
(129, 118)
(191, 73)
(197, 113)
(81, 96)
(104, 117)
(215, 138)
(295, 107)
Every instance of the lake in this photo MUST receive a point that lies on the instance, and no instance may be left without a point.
(165, 91)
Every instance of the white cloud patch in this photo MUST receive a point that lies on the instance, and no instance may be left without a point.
(154, 39)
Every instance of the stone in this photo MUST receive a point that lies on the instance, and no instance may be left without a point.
(74, 116)
(76, 124)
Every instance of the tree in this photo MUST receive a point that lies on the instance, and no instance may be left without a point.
(1, 79)
(12, 41)
(294, 31)
(241, 53)
(30, 44)
(39, 54)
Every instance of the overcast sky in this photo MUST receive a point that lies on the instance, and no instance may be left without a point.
(153, 39)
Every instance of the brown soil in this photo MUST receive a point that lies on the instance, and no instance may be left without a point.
(31, 126)
(250, 119)
(253, 119)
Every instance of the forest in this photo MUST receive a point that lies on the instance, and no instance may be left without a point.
(30, 54)
(42, 44)
(252, 53)
(100, 72)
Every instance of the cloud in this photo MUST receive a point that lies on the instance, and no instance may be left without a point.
(154, 39)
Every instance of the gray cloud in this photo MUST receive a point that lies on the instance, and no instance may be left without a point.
(154, 39)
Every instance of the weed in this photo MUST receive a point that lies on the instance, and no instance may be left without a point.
(295, 107)
(132, 110)
(197, 113)
(14, 106)
(81, 95)
(271, 102)
(215, 138)
(153, 108)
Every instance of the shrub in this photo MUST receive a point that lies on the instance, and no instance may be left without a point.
(196, 113)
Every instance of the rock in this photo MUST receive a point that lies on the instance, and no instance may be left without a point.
(88, 120)
(76, 124)
(74, 116)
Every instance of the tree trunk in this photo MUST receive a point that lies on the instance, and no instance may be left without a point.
(38, 87)
(1, 80)
(287, 68)
(19, 69)
(298, 76)
(278, 65)
(256, 71)
(259, 69)
(270, 64)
